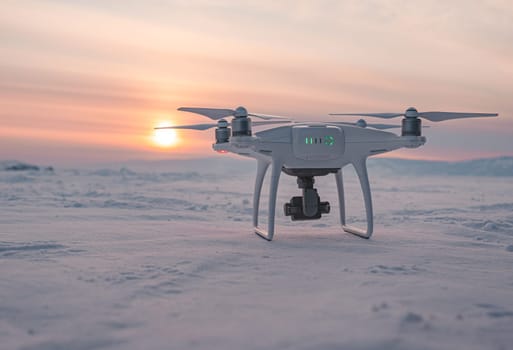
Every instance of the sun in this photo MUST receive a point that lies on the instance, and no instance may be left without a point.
(165, 137)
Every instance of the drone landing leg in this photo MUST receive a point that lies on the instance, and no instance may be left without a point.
(361, 170)
(273, 189)
(341, 200)
(261, 170)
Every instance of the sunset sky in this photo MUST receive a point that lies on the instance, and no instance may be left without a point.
(86, 81)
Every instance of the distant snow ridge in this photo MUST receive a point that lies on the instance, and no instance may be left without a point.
(502, 166)
(14, 165)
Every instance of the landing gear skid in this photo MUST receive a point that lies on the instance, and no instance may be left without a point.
(361, 170)
(273, 189)
(263, 234)
(277, 165)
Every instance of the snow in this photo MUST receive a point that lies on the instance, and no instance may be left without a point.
(162, 256)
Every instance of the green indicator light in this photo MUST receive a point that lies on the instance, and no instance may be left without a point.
(329, 140)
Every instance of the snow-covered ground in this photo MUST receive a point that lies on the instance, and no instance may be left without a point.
(162, 256)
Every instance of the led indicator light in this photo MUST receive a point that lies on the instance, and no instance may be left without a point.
(329, 140)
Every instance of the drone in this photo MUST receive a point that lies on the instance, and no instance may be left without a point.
(307, 150)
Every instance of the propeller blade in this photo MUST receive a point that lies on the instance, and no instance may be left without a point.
(363, 124)
(219, 113)
(212, 113)
(267, 117)
(342, 123)
(431, 116)
(269, 122)
(191, 127)
(213, 125)
(389, 126)
(441, 116)
(374, 126)
(378, 115)
(383, 126)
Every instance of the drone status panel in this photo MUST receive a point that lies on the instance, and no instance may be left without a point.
(317, 142)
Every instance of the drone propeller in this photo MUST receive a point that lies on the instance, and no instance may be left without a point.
(219, 113)
(213, 125)
(363, 124)
(191, 127)
(431, 116)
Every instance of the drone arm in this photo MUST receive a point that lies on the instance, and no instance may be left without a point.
(273, 189)
(361, 170)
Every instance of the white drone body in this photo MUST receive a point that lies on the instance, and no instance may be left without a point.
(306, 150)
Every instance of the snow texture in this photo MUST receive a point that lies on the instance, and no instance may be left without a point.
(162, 256)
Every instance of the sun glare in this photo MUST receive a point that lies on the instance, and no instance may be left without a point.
(165, 137)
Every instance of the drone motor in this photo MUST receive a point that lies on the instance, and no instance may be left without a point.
(241, 124)
(411, 123)
(222, 131)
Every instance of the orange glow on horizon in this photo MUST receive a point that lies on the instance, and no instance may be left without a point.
(165, 138)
